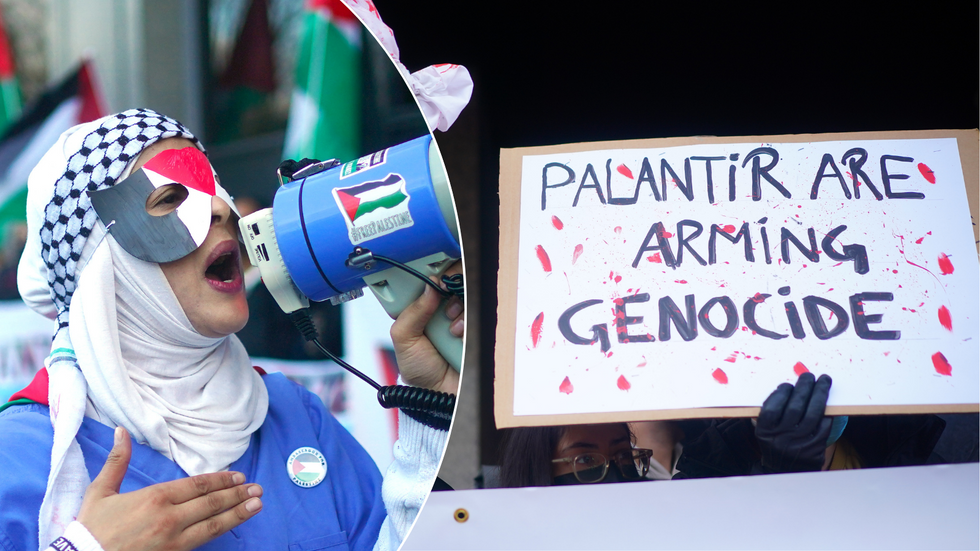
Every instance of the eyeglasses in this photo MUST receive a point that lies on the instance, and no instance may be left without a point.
(593, 466)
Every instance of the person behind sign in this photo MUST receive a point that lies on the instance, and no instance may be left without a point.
(133, 248)
(772, 444)
(791, 434)
(575, 454)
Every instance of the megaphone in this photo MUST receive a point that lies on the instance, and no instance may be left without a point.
(335, 229)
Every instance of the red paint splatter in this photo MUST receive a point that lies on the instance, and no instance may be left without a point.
(720, 376)
(556, 222)
(536, 329)
(622, 383)
(577, 253)
(625, 171)
(618, 278)
(758, 298)
(566, 386)
(643, 363)
(800, 369)
(894, 271)
(543, 257)
(927, 173)
(919, 240)
(668, 235)
(941, 364)
(655, 258)
(945, 319)
(728, 229)
(732, 358)
(945, 264)
(680, 281)
(618, 230)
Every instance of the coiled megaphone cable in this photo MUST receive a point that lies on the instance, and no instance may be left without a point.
(429, 407)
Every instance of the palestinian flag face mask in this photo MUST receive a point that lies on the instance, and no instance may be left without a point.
(162, 212)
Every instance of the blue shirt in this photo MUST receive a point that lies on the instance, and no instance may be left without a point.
(344, 511)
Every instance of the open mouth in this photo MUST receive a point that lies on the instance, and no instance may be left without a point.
(225, 267)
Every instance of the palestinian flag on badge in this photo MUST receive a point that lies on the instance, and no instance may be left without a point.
(72, 101)
(370, 196)
(307, 467)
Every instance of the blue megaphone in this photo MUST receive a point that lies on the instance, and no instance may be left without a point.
(331, 224)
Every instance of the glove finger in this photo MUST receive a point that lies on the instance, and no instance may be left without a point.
(818, 403)
(772, 408)
(823, 430)
(796, 406)
(811, 450)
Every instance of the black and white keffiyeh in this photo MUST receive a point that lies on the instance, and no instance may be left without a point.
(68, 219)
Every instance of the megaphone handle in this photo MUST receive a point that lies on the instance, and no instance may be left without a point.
(396, 289)
(437, 330)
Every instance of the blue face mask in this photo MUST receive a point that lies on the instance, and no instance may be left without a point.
(836, 429)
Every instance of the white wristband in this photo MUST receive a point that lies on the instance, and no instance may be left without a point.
(75, 538)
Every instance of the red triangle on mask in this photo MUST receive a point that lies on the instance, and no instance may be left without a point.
(187, 166)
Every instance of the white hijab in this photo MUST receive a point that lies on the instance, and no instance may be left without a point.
(130, 356)
(195, 399)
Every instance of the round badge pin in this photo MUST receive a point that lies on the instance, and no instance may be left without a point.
(306, 467)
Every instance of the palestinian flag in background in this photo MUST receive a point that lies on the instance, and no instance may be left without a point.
(9, 88)
(249, 77)
(325, 110)
(370, 196)
(72, 101)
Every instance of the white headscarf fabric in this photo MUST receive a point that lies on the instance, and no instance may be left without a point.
(140, 364)
(442, 90)
(195, 399)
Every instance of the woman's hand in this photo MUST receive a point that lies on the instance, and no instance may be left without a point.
(419, 362)
(178, 515)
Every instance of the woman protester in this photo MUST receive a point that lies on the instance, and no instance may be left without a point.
(150, 425)
(791, 434)
(573, 454)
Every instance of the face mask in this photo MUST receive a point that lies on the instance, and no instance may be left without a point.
(123, 208)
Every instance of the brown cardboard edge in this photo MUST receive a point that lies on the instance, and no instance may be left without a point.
(968, 143)
(510, 216)
(969, 146)
(714, 413)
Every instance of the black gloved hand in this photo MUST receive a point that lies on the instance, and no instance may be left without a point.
(792, 430)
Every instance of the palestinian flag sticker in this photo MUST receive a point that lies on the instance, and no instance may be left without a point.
(307, 467)
(376, 208)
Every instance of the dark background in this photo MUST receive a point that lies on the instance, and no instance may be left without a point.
(559, 72)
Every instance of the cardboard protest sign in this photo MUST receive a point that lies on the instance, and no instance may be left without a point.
(661, 279)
